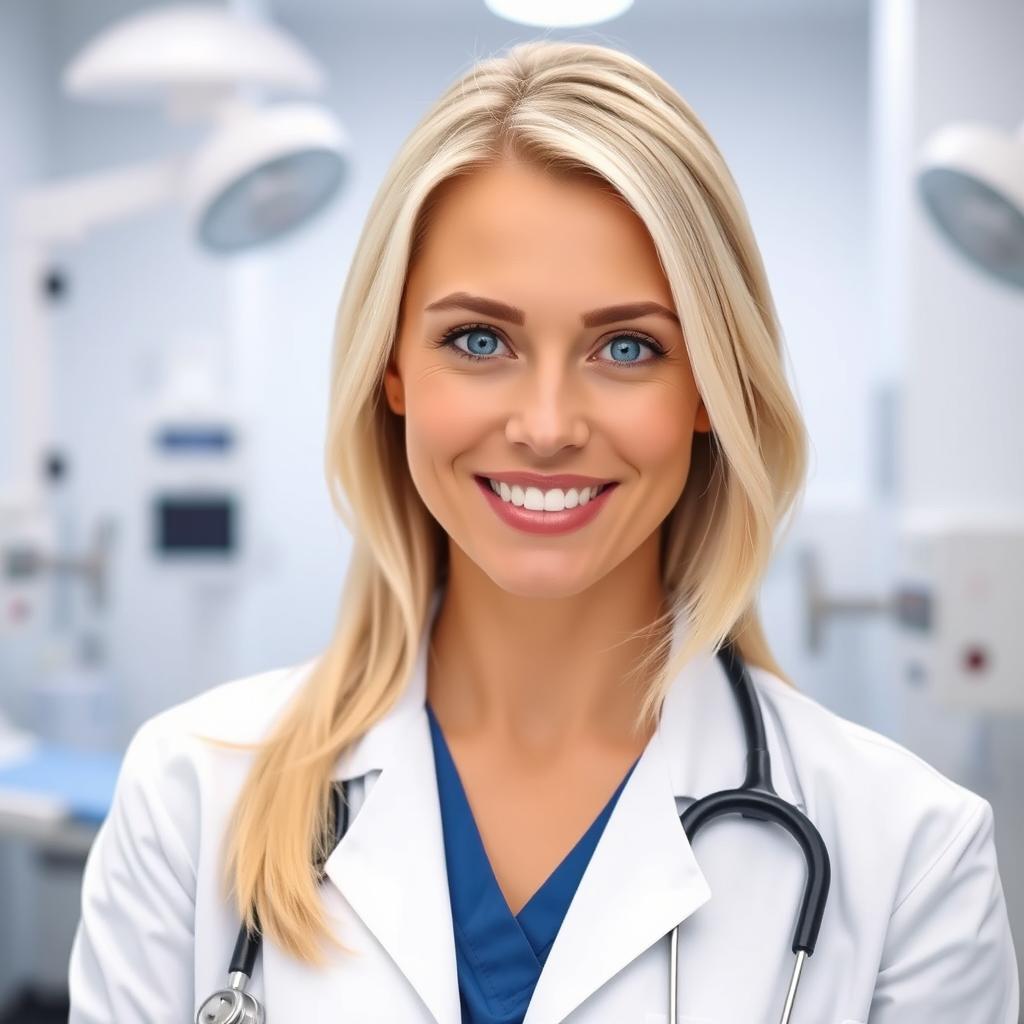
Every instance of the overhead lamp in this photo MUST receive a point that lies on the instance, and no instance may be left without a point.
(265, 168)
(971, 181)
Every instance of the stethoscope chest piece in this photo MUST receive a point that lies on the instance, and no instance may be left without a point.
(230, 1006)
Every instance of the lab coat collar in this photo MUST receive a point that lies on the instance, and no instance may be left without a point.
(642, 880)
(703, 732)
(390, 864)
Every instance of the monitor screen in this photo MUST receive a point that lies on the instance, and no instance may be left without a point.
(195, 525)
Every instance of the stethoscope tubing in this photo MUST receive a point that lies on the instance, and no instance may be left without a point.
(755, 798)
(235, 1005)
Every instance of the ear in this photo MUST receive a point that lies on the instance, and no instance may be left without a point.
(394, 392)
(702, 422)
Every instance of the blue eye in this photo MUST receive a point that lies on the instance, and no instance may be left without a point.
(481, 338)
(478, 339)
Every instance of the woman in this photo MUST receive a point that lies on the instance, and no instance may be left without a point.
(561, 436)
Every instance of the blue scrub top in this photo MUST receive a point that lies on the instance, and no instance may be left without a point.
(499, 955)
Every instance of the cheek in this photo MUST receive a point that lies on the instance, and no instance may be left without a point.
(443, 419)
(654, 431)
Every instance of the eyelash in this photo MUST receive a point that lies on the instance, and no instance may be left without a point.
(446, 339)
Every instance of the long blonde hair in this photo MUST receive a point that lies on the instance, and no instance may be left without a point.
(576, 109)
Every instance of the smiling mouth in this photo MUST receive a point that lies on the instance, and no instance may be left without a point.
(537, 517)
(537, 500)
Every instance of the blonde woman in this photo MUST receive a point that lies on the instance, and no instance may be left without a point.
(561, 436)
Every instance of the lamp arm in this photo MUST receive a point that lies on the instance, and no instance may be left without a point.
(66, 210)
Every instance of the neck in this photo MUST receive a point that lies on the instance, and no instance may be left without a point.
(539, 675)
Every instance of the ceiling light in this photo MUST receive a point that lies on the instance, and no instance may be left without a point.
(558, 13)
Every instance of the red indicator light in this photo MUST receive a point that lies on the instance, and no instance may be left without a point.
(975, 659)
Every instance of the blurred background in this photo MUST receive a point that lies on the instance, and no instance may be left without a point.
(181, 188)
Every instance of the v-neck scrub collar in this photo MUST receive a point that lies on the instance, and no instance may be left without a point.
(500, 955)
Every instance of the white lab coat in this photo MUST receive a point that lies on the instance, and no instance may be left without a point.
(915, 931)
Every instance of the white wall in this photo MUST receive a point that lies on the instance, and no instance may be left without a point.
(25, 129)
(25, 133)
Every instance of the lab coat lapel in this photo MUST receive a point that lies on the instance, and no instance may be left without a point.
(644, 878)
(390, 864)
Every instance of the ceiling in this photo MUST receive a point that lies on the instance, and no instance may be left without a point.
(642, 10)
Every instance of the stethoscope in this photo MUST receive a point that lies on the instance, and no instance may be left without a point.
(755, 798)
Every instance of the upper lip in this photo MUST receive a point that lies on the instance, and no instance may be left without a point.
(562, 480)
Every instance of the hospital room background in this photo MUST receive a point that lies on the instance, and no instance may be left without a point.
(171, 270)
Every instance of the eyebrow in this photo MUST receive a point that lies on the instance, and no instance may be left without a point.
(595, 318)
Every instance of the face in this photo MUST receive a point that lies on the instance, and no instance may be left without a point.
(556, 388)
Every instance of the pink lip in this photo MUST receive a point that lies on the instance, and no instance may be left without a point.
(543, 522)
(547, 483)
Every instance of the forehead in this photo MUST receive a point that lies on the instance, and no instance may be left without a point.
(516, 224)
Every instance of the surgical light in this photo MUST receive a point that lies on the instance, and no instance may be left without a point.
(971, 181)
(264, 169)
(558, 13)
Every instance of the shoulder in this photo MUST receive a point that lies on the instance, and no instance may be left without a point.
(239, 711)
(178, 768)
(913, 860)
(156, 859)
(874, 794)
(840, 756)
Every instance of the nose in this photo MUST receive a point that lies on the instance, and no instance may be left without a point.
(547, 414)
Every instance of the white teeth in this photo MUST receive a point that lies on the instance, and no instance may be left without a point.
(548, 501)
